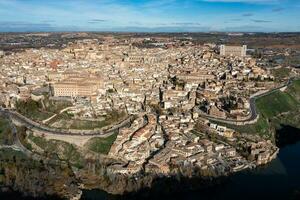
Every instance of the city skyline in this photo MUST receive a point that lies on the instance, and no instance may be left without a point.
(150, 16)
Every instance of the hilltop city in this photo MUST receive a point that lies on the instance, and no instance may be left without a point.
(140, 106)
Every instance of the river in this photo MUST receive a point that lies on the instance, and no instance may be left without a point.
(280, 179)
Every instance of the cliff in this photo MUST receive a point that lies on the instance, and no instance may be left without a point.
(36, 178)
(49, 179)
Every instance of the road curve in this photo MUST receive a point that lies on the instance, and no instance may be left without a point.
(253, 109)
(34, 125)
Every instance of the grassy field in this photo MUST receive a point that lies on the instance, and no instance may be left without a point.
(276, 103)
(294, 90)
(101, 145)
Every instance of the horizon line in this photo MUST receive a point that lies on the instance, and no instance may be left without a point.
(244, 32)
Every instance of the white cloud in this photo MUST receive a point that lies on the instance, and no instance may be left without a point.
(115, 14)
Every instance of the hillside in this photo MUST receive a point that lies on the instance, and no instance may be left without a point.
(276, 109)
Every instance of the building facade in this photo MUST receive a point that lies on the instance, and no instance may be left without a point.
(239, 51)
(77, 85)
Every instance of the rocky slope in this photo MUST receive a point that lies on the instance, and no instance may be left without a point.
(36, 178)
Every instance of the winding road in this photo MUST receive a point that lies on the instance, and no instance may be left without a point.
(253, 110)
(17, 145)
(105, 131)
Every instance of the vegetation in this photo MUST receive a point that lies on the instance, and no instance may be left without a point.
(39, 111)
(261, 127)
(32, 110)
(67, 121)
(276, 103)
(6, 136)
(22, 135)
(281, 73)
(11, 155)
(293, 60)
(59, 150)
(229, 102)
(111, 90)
(33, 177)
(101, 145)
(86, 124)
(55, 106)
(294, 90)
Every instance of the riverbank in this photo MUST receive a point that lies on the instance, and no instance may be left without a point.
(277, 180)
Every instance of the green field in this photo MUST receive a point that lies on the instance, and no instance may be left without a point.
(276, 103)
(101, 145)
(294, 90)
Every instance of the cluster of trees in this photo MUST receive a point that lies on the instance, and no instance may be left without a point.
(26, 107)
(229, 102)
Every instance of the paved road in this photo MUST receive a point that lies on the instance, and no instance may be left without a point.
(253, 109)
(34, 125)
(17, 145)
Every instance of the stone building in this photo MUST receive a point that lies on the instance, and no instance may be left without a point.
(239, 51)
(78, 86)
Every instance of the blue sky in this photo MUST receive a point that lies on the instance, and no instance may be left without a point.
(150, 15)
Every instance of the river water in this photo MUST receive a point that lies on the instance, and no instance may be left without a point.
(280, 179)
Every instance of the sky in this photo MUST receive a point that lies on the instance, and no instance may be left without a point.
(150, 15)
